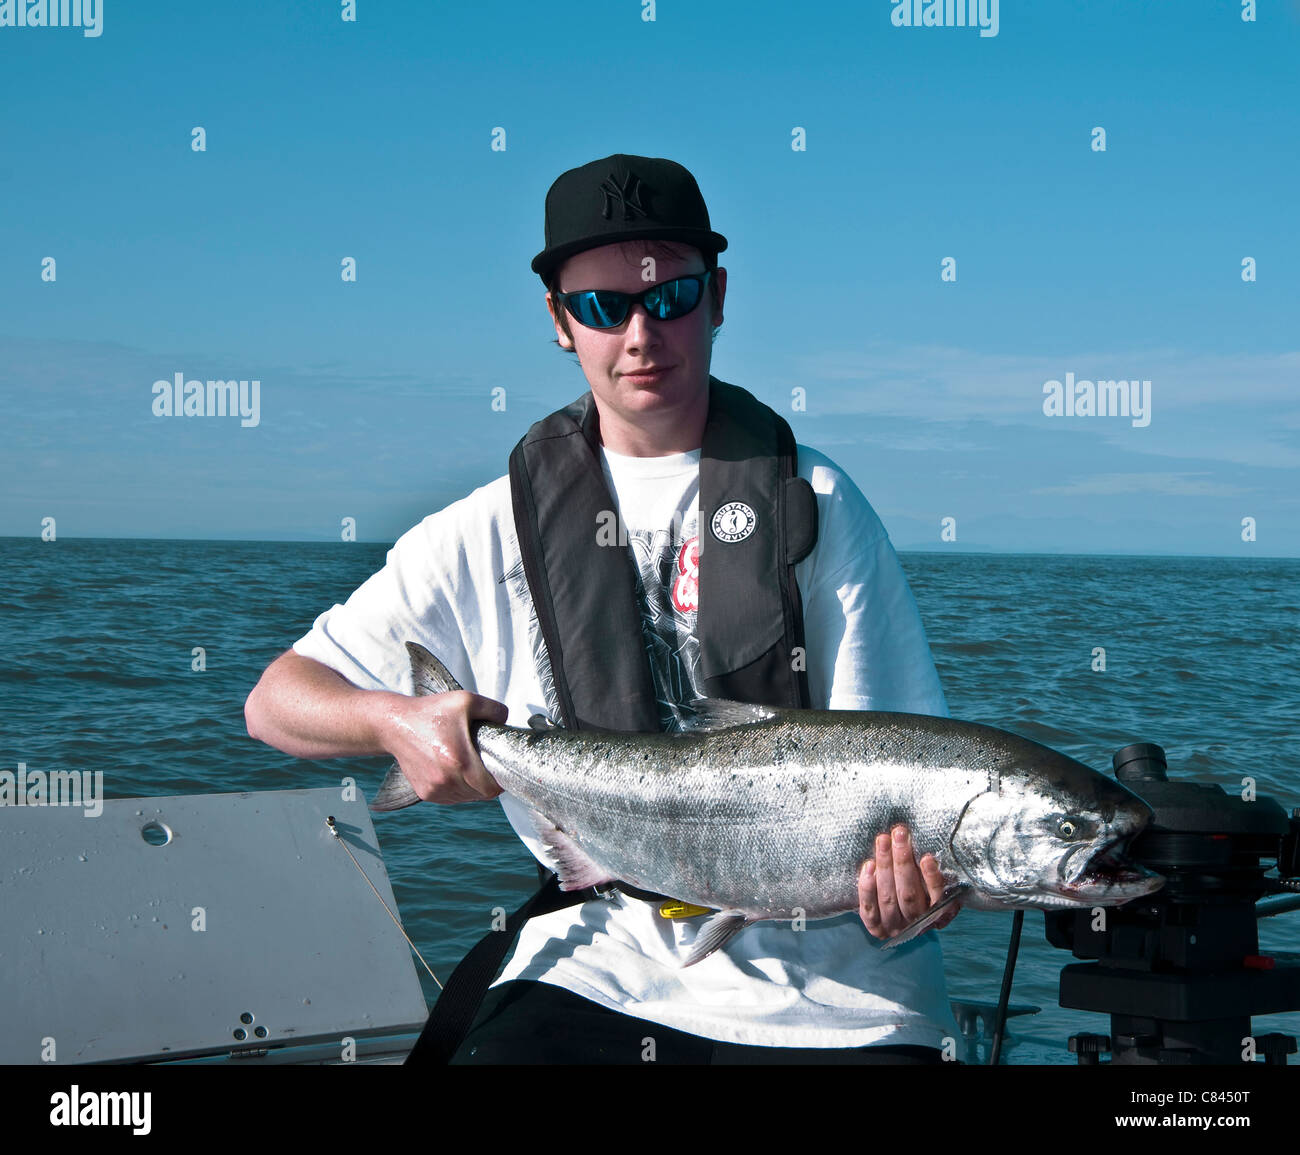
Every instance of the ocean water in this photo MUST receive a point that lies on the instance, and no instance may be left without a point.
(97, 637)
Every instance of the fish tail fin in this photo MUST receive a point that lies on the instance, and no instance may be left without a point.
(396, 792)
(428, 676)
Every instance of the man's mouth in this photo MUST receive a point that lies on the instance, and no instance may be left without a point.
(650, 373)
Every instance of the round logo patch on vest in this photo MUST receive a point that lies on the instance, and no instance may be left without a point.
(735, 521)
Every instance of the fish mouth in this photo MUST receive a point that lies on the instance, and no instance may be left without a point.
(1110, 875)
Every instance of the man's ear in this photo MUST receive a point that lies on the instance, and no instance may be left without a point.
(561, 337)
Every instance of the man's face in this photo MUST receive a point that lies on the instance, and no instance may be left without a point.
(611, 357)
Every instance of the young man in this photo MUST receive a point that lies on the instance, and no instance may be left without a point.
(702, 596)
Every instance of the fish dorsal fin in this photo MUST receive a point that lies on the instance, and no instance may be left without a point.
(542, 722)
(428, 675)
(705, 714)
(952, 894)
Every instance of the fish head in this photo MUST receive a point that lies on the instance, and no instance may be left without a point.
(1053, 835)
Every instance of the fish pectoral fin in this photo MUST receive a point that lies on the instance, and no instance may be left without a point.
(717, 932)
(574, 865)
(396, 792)
(952, 894)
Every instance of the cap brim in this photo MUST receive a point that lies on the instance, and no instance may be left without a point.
(548, 260)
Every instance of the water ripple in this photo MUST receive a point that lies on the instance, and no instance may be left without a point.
(96, 652)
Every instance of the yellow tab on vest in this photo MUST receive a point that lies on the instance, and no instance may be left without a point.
(674, 909)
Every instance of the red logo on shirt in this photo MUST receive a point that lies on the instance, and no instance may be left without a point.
(686, 586)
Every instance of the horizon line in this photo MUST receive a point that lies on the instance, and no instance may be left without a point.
(986, 551)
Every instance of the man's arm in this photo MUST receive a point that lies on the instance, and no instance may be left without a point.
(306, 709)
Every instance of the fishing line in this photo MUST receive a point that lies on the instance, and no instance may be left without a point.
(1014, 949)
(334, 831)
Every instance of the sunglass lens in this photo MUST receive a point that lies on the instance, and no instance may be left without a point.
(677, 298)
(600, 310)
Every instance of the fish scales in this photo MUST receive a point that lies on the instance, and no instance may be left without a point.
(751, 819)
(765, 813)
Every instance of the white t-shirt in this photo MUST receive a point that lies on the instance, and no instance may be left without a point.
(455, 584)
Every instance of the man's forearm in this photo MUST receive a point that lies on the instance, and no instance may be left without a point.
(306, 709)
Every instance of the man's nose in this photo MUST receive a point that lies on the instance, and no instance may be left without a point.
(641, 326)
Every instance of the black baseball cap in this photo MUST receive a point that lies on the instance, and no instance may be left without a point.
(623, 198)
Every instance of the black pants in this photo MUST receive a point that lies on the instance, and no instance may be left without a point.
(531, 1022)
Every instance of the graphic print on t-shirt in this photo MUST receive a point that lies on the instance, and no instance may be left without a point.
(667, 583)
(668, 564)
(686, 582)
(516, 581)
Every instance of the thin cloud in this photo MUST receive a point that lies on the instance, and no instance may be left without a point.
(939, 382)
(1237, 408)
(1165, 484)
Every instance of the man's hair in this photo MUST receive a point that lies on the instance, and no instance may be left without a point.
(658, 249)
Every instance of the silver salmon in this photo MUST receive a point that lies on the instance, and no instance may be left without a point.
(758, 812)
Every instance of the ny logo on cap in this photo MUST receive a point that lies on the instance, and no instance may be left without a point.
(628, 194)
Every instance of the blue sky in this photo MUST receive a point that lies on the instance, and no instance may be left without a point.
(372, 139)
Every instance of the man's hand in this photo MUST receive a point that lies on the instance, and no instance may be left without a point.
(894, 890)
(429, 737)
(308, 710)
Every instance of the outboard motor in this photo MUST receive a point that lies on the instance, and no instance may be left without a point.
(1180, 972)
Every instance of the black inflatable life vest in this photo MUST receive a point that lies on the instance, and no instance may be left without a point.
(757, 519)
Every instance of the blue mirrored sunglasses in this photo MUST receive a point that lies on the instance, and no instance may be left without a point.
(607, 309)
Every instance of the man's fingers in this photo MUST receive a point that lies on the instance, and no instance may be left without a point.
(894, 890)
(473, 773)
(886, 895)
(933, 877)
(909, 883)
(487, 709)
(935, 883)
(483, 782)
(867, 904)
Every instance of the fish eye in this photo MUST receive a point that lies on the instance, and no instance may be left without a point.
(1071, 827)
